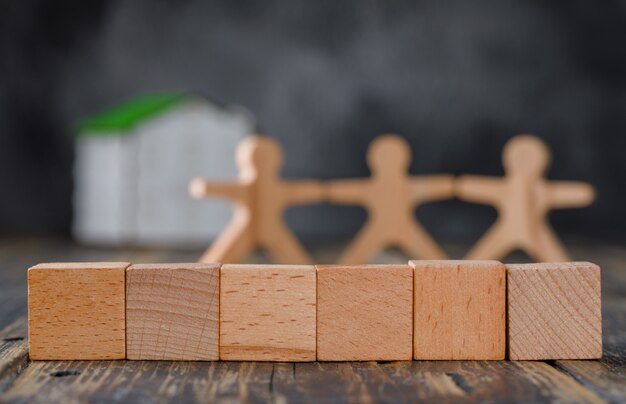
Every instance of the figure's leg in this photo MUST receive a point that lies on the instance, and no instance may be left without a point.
(235, 242)
(495, 244)
(285, 248)
(363, 248)
(547, 247)
(420, 245)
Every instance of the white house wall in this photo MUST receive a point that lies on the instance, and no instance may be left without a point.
(105, 196)
(195, 139)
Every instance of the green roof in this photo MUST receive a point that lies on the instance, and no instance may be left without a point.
(122, 118)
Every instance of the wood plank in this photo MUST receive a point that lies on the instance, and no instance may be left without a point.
(448, 381)
(607, 376)
(554, 311)
(364, 312)
(267, 312)
(460, 310)
(339, 380)
(284, 387)
(149, 381)
(172, 311)
(377, 385)
(486, 381)
(142, 381)
(76, 311)
(13, 351)
(195, 382)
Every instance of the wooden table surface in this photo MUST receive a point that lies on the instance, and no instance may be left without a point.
(152, 381)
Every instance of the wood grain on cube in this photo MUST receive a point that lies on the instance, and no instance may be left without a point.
(267, 312)
(364, 312)
(76, 311)
(554, 311)
(460, 310)
(172, 311)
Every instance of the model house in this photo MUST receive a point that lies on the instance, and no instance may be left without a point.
(134, 162)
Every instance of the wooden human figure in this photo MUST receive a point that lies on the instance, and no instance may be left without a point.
(260, 197)
(390, 196)
(523, 198)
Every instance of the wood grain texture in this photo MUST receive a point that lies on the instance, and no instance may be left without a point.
(364, 312)
(172, 311)
(261, 197)
(13, 351)
(391, 196)
(523, 198)
(267, 312)
(312, 382)
(485, 381)
(606, 376)
(554, 311)
(460, 310)
(76, 311)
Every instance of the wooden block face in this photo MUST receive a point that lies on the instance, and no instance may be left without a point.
(554, 311)
(460, 310)
(364, 312)
(267, 313)
(172, 312)
(76, 311)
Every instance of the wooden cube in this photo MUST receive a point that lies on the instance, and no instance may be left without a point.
(76, 311)
(172, 311)
(267, 312)
(554, 311)
(364, 312)
(460, 310)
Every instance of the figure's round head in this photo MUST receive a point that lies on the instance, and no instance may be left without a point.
(259, 152)
(389, 151)
(526, 153)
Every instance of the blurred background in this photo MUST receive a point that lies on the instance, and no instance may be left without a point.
(457, 79)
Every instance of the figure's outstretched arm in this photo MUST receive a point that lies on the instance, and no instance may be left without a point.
(479, 189)
(495, 244)
(285, 248)
(199, 188)
(350, 192)
(301, 192)
(569, 194)
(364, 246)
(432, 187)
(235, 242)
(419, 244)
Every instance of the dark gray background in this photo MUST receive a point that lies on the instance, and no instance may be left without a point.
(457, 78)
